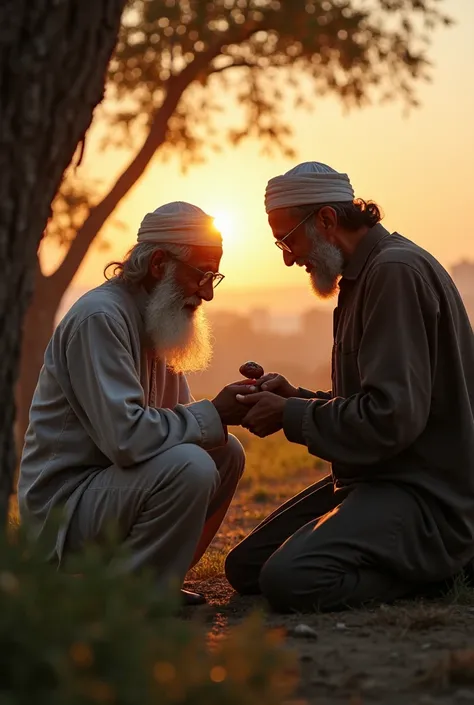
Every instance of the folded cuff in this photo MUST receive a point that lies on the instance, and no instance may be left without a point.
(213, 433)
(293, 417)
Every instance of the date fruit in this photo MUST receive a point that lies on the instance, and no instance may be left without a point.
(251, 370)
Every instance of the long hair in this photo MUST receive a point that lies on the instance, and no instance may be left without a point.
(351, 216)
(134, 268)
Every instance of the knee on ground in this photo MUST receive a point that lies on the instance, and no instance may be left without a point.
(289, 585)
(285, 584)
(237, 569)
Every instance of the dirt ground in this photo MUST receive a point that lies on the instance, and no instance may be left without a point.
(413, 653)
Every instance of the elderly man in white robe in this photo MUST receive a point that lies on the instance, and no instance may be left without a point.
(114, 434)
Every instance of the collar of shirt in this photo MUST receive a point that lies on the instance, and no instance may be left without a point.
(363, 251)
(139, 295)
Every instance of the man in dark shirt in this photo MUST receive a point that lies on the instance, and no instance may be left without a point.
(396, 517)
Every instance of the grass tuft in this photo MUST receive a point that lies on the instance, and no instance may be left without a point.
(462, 592)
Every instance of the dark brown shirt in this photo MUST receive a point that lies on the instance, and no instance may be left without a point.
(402, 403)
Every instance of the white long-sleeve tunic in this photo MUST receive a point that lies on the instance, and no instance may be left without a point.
(103, 399)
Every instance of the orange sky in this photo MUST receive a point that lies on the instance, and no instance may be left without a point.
(419, 169)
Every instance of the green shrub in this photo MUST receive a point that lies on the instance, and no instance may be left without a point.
(102, 638)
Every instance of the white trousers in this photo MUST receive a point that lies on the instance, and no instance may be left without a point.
(166, 511)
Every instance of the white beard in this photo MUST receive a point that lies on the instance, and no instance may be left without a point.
(180, 335)
(326, 261)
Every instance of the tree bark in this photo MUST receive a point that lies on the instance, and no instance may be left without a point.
(37, 327)
(53, 59)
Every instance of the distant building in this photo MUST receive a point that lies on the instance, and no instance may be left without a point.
(317, 320)
(261, 320)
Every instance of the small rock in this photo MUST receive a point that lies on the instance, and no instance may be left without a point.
(464, 695)
(340, 626)
(303, 631)
(426, 646)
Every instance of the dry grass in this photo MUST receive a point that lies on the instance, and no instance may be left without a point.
(406, 653)
(418, 616)
(387, 656)
(210, 566)
(274, 460)
(275, 470)
(462, 593)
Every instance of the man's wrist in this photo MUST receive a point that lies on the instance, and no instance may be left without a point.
(216, 406)
(224, 425)
(295, 393)
(221, 416)
(303, 393)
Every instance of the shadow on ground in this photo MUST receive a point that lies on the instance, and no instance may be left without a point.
(413, 653)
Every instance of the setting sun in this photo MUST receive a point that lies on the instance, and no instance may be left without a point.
(225, 223)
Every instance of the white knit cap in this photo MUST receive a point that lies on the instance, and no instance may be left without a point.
(180, 223)
(308, 183)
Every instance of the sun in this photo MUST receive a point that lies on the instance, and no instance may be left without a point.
(225, 223)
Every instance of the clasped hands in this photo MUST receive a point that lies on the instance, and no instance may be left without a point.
(257, 405)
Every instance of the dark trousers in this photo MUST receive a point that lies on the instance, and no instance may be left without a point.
(327, 550)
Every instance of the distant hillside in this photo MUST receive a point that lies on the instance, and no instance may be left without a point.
(278, 299)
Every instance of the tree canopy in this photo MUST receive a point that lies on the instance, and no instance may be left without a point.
(179, 63)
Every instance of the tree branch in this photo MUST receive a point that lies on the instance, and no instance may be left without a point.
(135, 169)
(240, 63)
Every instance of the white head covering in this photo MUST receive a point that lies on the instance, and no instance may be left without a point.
(308, 183)
(180, 223)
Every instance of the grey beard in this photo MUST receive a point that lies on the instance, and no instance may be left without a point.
(179, 335)
(326, 261)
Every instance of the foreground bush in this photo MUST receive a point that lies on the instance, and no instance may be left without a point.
(100, 638)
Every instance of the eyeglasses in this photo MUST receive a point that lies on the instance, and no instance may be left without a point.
(281, 244)
(215, 277)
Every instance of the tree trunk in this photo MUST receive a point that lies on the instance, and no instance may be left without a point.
(53, 59)
(50, 290)
(37, 329)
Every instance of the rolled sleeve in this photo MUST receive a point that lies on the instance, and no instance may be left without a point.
(213, 433)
